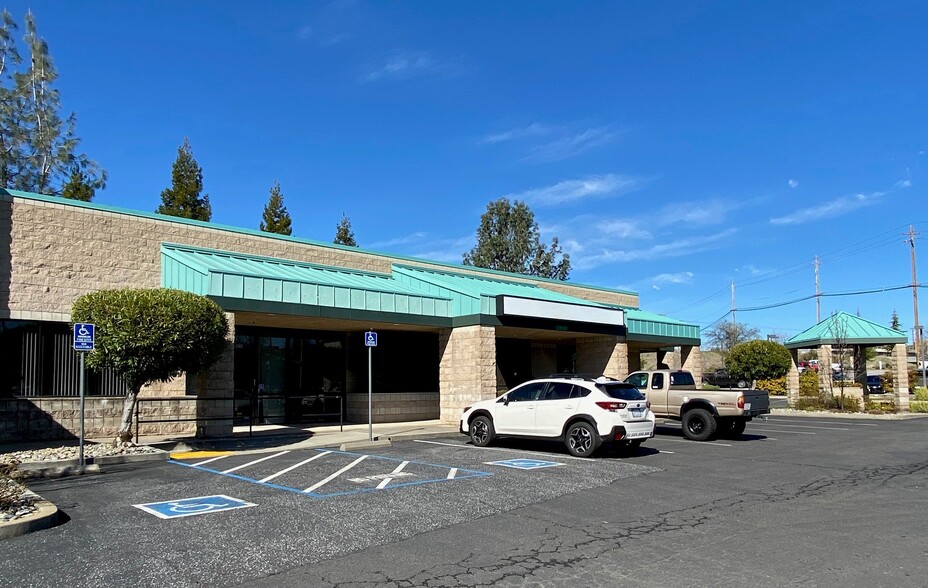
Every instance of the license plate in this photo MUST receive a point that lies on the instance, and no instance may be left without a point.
(747, 406)
(638, 434)
(637, 412)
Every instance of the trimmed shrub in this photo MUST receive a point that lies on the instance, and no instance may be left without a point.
(809, 384)
(918, 406)
(887, 378)
(849, 403)
(759, 360)
(921, 394)
(773, 386)
(810, 403)
(880, 406)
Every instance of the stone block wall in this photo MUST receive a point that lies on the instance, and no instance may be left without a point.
(215, 389)
(467, 368)
(691, 361)
(33, 419)
(602, 355)
(394, 407)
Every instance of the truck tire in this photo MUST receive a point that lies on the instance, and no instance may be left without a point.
(699, 424)
(732, 428)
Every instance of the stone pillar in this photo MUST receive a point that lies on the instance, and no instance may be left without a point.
(692, 361)
(634, 358)
(602, 355)
(792, 377)
(467, 368)
(667, 358)
(215, 389)
(825, 383)
(860, 367)
(900, 378)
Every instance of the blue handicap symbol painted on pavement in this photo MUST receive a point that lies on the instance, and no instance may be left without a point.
(172, 509)
(525, 464)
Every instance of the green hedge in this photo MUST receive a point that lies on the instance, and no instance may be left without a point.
(774, 386)
(918, 406)
(808, 383)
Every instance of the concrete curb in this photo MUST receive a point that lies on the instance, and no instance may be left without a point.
(353, 445)
(45, 517)
(896, 416)
(94, 465)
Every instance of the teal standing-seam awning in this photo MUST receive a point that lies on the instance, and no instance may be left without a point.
(846, 329)
(649, 327)
(234, 276)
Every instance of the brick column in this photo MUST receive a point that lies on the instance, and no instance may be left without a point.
(792, 377)
(692, 361)
(467, 368)
(603, 355)
(216, 385)
(900, 378)
(826, 385)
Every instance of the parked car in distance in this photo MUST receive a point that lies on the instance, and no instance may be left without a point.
(584, 413)
(723, 379)
(874, 385)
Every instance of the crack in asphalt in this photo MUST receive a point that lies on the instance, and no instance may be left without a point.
(562, 546)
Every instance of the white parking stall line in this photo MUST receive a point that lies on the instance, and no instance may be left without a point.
(452, 473)
(846, 424)
(325, 481)
(295, 466)
(812, 427)
(752, 429)
(383, 483)
(399, 468)
(251, 463)
(694, 442)
(210, 460)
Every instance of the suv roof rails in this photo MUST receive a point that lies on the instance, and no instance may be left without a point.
(588, 377)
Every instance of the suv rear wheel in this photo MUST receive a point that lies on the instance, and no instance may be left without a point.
(481, 431)
(582, 439)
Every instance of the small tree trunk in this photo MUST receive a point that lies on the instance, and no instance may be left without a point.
(125, 427)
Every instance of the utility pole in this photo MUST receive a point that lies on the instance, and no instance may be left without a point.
(917, 335)
(818, 295)
(733, 319)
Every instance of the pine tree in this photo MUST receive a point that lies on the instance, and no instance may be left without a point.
(343, 233)
(508, 239)
(276, 219)
(78, 187)
(894, 322)
(37, 146)
(183, 197)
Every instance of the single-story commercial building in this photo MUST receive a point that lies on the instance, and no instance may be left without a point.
(448, 334)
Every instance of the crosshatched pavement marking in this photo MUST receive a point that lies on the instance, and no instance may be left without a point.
(327, 472)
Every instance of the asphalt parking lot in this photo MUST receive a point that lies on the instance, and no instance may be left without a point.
(798, 501)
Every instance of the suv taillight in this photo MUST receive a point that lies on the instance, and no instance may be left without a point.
(741, 402)
(611, 406)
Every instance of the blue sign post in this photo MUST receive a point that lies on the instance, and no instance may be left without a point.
(370, 341)
(83, 342)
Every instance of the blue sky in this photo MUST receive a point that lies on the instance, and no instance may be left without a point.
(673, 147)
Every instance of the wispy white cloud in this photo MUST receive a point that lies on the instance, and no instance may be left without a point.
(751, 269)
(570, 145)
(831, 209)
(793, 183)
(661, 280)
(623, 229)
(402, 65)
(574, 190)
(411, 238)
(696, 214)
(678, 248)
(532, 130)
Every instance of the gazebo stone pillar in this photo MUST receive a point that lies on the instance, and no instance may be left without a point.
(860, 366)
(692, 361)
(792, 378)
(824, 369)
(900, 378)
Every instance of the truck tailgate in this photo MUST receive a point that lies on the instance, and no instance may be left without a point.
(758, 400)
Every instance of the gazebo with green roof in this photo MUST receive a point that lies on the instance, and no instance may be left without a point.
(846, 331)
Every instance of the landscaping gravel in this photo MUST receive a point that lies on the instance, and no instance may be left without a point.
(17, 507)
(71, 452)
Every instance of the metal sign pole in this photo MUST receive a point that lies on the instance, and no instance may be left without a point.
(81, 388)
(370, 396)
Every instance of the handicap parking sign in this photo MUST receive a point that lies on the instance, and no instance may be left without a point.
(187, 507)
(525, 464)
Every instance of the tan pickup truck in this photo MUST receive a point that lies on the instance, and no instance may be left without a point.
(704, 414)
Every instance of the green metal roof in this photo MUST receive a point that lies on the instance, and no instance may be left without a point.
(472, 294)
(846, 329)
(651, 327)
(237, 276)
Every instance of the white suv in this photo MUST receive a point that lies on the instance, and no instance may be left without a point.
(582, 412)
